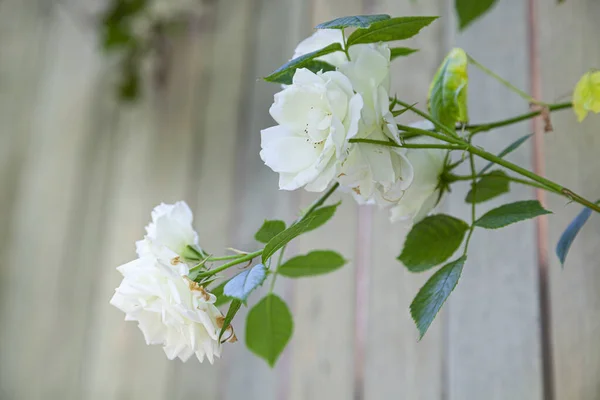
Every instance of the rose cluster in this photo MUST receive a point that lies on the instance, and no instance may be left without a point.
(318, 115)
(170, 308)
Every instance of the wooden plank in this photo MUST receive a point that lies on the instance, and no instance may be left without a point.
(493, 347)
(213, 175)
(43, 214)
(567, 50)
(397, 365)
(153, 164)
(24, 28)
(256, 192)
(322, 356)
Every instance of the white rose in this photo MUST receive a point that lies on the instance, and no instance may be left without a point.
(321, 39)
(424, 193)
(375, 173)
(369, 72)
(317, 114)
(170, 309)
(170, 231)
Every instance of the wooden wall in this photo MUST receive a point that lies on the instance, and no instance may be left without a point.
(80, 172)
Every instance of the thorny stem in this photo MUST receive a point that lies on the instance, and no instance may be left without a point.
(478, 128)
(318, 203)
(241, 259)
(238, 259)
(411, 145)
(474, 129)
(546, 183)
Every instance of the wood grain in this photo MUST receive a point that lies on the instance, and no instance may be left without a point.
(397, 365)
(493, 348)
(571, 159)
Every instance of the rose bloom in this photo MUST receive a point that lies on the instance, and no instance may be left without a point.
(316, 114)
(423, 195)
(170, 232)
(170, 309)
(375, 173)
(321, 39)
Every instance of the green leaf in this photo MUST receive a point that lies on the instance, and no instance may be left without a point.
(285, 73)
(269, 230)
(117, 36)
(401, 52)
(511, 213)
(269, 328)
(469, 10)
(447, 99)
(434, 293)
(316, 262)
(509, 149)
(221, 297)
(432, 241)
(569, 235)
(317, 218)
(390, 29)
(241, 285)
(357, 21)
(234, 307)
(489, 186)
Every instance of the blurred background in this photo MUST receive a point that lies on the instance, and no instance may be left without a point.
(86, 152)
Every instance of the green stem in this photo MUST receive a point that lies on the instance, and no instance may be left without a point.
(250, 256)
(224, 258)
(247, 257)
(411, 145)
(548, 184)
(474, 129)
(473, 204)
(506, 83)
(423, 132)
(279, 260)
(345, 45)
(319, 202)
(452, 177)
(428, 117)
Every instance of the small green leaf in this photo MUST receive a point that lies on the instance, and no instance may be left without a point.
(434, 293)
(285, 73)
(569, 235)
(509, 149)
(511, 213)
(390, 29)
(489, 186)
(447, 99)
(316, 262)
(401, 52)
(241, 285)
(469, 10)
(234, 307)
(269, 230)
(432, 241)
(269, 328)
(317, 218)
(218, 292)
(357, 21)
